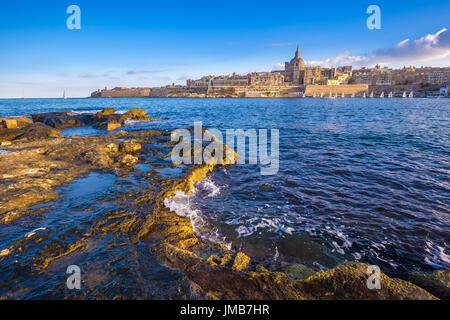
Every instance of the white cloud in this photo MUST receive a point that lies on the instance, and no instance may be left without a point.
(433, 46)
(278, 66)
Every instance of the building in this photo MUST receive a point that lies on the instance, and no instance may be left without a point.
(266, 79)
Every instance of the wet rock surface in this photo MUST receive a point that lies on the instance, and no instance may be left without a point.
(107, 119)
(437, 282)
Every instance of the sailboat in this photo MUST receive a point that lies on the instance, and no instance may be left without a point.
(314, 95)
(304, 95)
(404, 95)
(371, 94)
(382, 95)
(335, 95)
(364, 95)
(64, 95)
(342, 95)
(353, 95)
(321, 94)
(411, 95)
(390, 94)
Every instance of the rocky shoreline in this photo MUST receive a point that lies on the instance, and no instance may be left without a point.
(37, 159)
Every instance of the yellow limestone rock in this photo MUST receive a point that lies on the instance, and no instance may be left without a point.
(241, 262)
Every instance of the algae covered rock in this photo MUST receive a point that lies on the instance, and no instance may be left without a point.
(127, 160)
(61, 120)
(129, 147)
(437, 282)
(296, 271)
(241, 262)
(349, 282)
(31, 132)
(106, 112)
(137, 114)
(15, 122)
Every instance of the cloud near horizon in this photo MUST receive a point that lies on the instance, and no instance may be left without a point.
(430, 47)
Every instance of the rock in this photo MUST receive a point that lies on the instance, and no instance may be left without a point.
(112, 147)
(22, 122)
(127, 160)
(349, 282)
(9, 123)
(129, 147)
(437, 282)
(106, 112)
(111, 126)
(137, 114)
(38, 131)
(32, 132)
(15, 122)
(4, 252)
(108, 122)
(241, 262)
(61, 120)
(295, 271)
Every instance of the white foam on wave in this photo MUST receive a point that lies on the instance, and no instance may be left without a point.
(209, 188)
(249, 226)
(77, 112)
(182, 205)
(437, 257)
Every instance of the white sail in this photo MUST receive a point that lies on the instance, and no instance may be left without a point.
(391, 94)
(353, 95)
(382, 95)
(321, 95)
(343, 95)
(371, 94)
(314, 95)
(335, 95)
(411, 95)
(364, 95)
(404, 94)
(64, 95)
(304, 95)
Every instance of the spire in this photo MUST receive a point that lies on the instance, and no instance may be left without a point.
(297, 53)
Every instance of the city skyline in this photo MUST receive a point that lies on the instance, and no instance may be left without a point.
(146, 47)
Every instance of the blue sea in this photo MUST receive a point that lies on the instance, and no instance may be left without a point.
(359, 179)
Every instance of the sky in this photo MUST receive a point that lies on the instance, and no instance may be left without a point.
(152, 43)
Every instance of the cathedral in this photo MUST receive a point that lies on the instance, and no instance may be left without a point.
(295, 70)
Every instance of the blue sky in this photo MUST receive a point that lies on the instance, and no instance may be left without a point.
(151, 43)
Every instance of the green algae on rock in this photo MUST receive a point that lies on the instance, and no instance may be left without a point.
(437, 282)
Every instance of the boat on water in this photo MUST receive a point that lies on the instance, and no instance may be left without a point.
(353, 95)
(382, 95)
(314, 95)
(390, 95)
(371, 94)
(321, 95)
(404, 95)
(411, 94)
(342, 95)
(304, 95)
(64, 95)
(364, 95)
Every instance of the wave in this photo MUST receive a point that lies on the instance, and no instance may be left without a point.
(181, 203)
